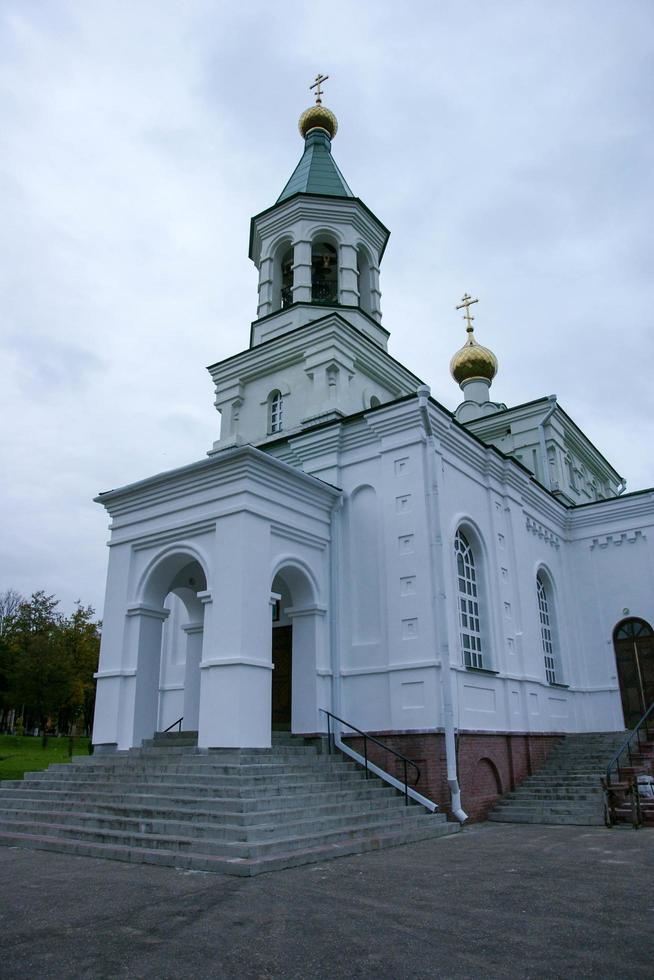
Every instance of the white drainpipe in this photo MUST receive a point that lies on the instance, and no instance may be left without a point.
(439, 605)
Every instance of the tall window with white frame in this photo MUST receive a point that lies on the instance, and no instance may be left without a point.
(275, 412)
(468, 595)
(546, 631)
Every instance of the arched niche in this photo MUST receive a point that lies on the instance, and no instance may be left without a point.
(365, 564)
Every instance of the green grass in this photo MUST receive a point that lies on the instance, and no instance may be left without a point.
(23, 753)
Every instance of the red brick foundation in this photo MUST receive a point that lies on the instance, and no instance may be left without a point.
(489, 765)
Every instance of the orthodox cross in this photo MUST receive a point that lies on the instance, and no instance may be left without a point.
(318, 82)
(466, 303)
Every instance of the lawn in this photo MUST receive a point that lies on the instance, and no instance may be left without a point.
(23, 753)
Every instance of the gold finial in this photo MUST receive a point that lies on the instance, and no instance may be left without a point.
(318, 82)
(466, 303)
(318, 116)
(472, 362)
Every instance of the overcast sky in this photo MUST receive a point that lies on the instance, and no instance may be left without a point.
(508, 146)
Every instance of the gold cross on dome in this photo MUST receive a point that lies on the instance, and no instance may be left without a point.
(318, 82)
(466, 303)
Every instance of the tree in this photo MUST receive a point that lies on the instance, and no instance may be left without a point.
(10, 601)
(39, 670)
(80, 638)
(47, 662)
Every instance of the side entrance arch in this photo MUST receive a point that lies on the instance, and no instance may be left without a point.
(177, 578)
(298, 650)
(633, 640)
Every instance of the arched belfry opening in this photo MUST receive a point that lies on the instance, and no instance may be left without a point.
(298, 624)
(324, 273)
(286, 279)
(170, 624)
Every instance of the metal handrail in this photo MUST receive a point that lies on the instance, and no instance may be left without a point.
(178, 723)
(626, 745)
(372, 738)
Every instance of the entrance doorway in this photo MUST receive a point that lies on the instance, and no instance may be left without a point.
(282, 678)
(633, 640)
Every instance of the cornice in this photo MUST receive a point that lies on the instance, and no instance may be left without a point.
(317, 207)
(293, 347)
(219, 471)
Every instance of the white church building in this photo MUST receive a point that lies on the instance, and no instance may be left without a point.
(468, 585)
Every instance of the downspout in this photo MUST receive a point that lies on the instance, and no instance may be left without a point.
(439, 600)
(547, 480)
(335, 605)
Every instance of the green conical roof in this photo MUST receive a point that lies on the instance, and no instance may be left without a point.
(316, 173)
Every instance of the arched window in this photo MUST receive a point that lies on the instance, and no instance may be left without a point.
(286, 286)
(468, 594)
(547, 637)
(275, 412)
(374, 401)
(324, 273)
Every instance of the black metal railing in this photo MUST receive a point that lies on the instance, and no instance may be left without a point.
(178, 723)
(371, 738)
(614, 795)
(626, 745)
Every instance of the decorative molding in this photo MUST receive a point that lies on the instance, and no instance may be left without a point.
(190, 628)
(542, 532)
(102, 675)
(237, 662)
(312, 610)
(148, 612)
(617, 539)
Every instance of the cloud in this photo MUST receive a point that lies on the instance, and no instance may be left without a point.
(508, 147)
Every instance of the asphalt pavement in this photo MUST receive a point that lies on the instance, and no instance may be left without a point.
(497, 900)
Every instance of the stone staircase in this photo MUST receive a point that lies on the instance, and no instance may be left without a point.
(567, 789)
(233, 811)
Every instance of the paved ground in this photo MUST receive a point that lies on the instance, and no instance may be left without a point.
(494, 901)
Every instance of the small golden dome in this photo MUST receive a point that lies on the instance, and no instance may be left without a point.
(473, 361)
(318, 117)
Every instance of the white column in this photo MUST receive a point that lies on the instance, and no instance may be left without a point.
(146, 633)
(348, 276)
(236, 665)
(191, 710)
(266, 287)
(375, 293)
(302, 272)
(310, 664)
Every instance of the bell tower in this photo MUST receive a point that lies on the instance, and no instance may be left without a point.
(319, 247)
(318, 350)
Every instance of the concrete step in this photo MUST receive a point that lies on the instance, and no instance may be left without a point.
(207, 829)
(567, 790)
(371, 790)
(230, 866)
(225, 847)
(244, 810)
(199, 811)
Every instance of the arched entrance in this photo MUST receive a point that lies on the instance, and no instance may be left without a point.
(297, 642)
(633, 640)
(169, 623)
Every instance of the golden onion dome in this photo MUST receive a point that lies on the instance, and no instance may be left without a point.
(318, 117)
(473, 361)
